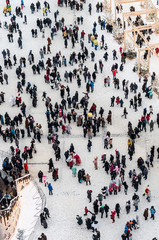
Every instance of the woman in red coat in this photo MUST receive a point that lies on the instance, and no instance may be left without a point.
(117, 100)
(63, 129)
(78, 160)
(148, 118)
(71, 164)
(26, 167)
(93, 108)
(113, 216)
(47, 78)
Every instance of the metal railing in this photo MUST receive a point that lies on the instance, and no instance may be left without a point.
(9, 216)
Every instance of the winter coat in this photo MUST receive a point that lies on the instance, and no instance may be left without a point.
(26, 166)
(100, 197)
(95, 224)
(78, 160)
(146, 213)
(50, 187)
(79, 220)
(117, 208)
(113, 215)
(40, 174)
(126, 229)
(79, 121)
(151, 124)
(89, 132)
(51, 165)
(74, 170)
(26, 123)
(114, 72)
(87, 176)
(101, 210)
(88, 223)
(89, 144)
(136, 202)
(106, 208)
(109, 118)
(152, 210)
(49, 41)
(89, 194)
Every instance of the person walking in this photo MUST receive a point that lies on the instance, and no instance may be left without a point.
(113, 216)
(101, 210)
(40, 176)
(125, 113)
(106, 208)
(89, 145)
(86, 211)
(145, 214)
(87, 177)
(79, 220)
(51, 165)
(128, 207)
(95, 163)
(74, 170)
(117, 209)
(50, 189)
(152, 211)
(89, 195)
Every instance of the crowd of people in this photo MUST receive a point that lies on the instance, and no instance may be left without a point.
(58, 72)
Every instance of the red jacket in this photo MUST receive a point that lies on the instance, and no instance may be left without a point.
(118, 100)
(115, 187)
(26, 166)
(114, 72)
(25, 149)
(93, 107)
(148, 117)
(146, 190)
(60, 112)
(70, 164)
(20, 99)
(120, 49)
(86, 210)
(47, 77)
(63, 128)
(113, 215)
(82, 34)
(110, 190)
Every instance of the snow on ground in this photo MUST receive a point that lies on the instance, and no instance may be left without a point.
(69, 196)
(30, 202)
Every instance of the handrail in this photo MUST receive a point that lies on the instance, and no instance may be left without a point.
(8, 208)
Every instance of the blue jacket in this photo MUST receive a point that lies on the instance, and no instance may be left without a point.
(2, 120)
(92, 84)
(50, 187)
(13, 131)
(152, 210)
(126, 229)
